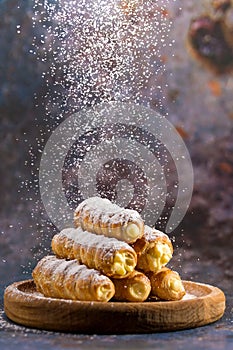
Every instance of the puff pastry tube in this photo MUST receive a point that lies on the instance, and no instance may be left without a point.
(102, 217)
(166, 284)
(59, 278)
(135, 288)
(113, 258)
(154, 250)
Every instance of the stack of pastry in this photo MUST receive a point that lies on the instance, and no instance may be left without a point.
(109, 254)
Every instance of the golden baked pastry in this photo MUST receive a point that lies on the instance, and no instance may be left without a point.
(166, 284)
(154, 250)
(102, 217)
(108, 255)
(59, 278)
(135, 288)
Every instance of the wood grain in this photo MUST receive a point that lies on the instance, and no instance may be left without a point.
(24, 305)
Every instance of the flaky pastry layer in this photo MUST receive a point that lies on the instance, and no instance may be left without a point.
(102, 217)
(108, 255)
(59, 278)
(166, 284)
(135, 288)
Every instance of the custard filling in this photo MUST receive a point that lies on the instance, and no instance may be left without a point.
(104, 292)
(139, 290)
(123, 263)
(158, 256)
(176, 285)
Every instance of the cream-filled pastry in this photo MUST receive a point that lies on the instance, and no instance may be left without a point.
(102, 217)
(110, 256)
(59, 278)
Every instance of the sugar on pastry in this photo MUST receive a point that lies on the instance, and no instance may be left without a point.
(110, 256)
(154, 250)
(59, 278)
(166, 284)
(102, 217)
(135, 288)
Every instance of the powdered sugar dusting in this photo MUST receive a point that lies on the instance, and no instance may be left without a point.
(102, 217)
(49, 261)
(189, 296)
(108, 211)
(102, 204)
(88, 239)
(151, 234)
(70, 270)
(63, 265)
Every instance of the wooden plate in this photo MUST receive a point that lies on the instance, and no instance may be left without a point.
(203, 304)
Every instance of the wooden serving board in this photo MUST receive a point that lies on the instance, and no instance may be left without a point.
(203, 304)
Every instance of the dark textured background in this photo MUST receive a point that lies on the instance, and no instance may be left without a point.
(198, 102)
